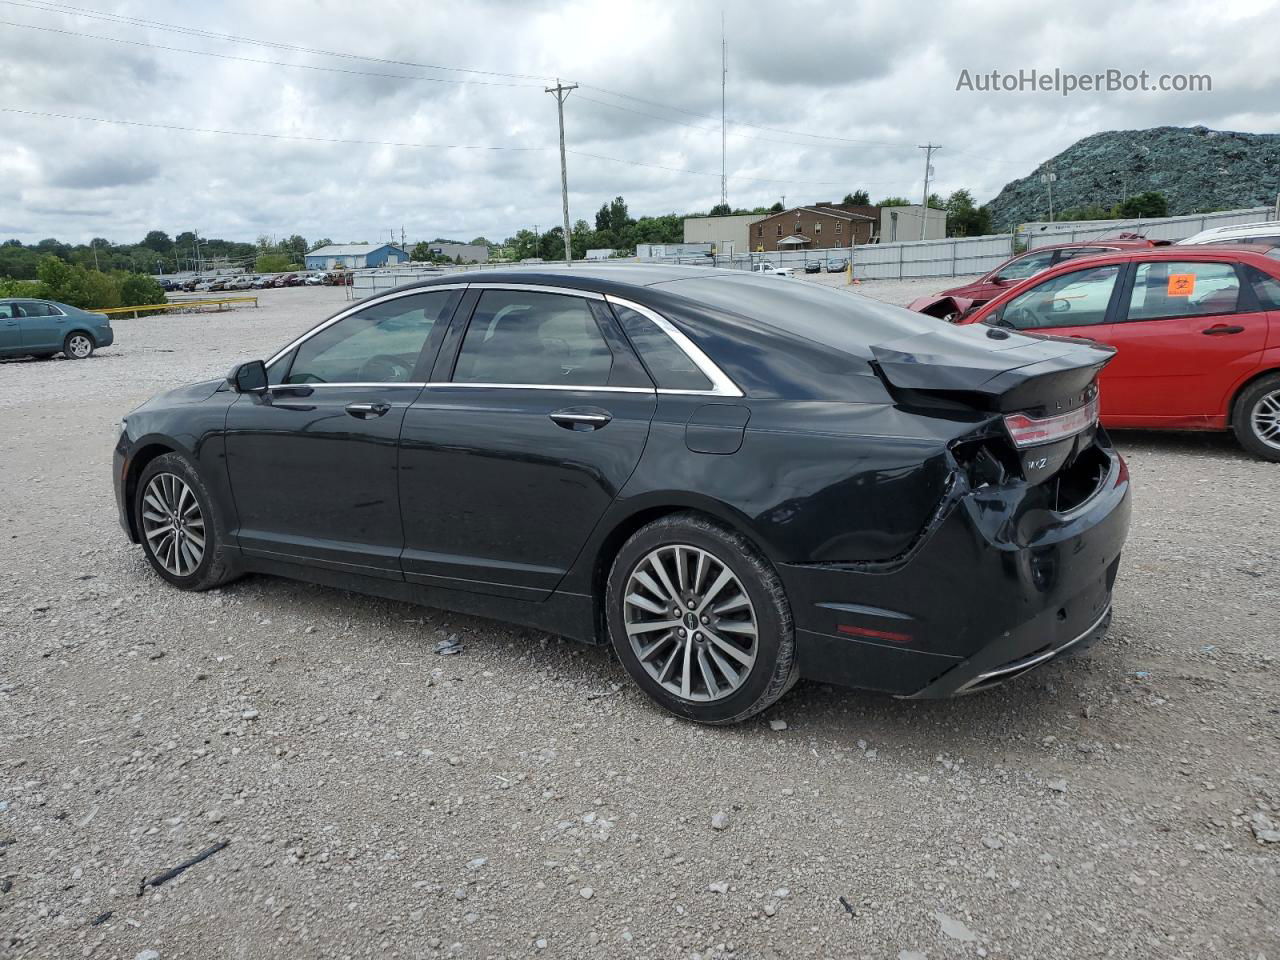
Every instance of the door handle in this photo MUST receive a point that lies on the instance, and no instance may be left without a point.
(1220, 329)
(367, 411)
(581, 418)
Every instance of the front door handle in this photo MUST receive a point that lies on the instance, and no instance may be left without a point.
(367, 411)
(581, 418)
(1219, 329)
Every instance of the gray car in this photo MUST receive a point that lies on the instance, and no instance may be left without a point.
(41, 328)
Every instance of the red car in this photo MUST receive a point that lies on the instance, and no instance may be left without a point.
(1196, 331)
(956, 302)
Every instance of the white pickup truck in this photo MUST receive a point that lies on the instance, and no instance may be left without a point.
(769, 269)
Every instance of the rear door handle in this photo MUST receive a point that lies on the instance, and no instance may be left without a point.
(367, 411)
(581, 418)
(1220, 329)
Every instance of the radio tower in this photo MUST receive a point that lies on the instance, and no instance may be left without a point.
(724, 134)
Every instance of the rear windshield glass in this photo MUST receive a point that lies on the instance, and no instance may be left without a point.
(835, 317)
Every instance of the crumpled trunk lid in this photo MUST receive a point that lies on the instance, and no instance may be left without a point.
(994, 369)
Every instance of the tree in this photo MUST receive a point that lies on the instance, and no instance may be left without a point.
(272, 263)
(893, 202)
(185, 241)
(158, 241)
(859, 198)
(963, 219)
(721, 210)
(936, 202)
(326, 242)
(481, 242)
(295, 247)
(1148, 204)
(777, 207)
(420, 252)
(551, 244)
(137, 289)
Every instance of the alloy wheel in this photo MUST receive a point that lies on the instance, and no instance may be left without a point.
(173, 524)
(690, 622)
(80, 346)
(1265, 419)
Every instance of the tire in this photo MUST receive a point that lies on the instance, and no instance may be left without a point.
(78, 345)
(1256, 417)
(655, 660)
(181, 558)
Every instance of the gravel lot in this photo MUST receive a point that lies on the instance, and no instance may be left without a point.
(381, 800)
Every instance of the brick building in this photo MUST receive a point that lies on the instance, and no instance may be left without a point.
(815, 227)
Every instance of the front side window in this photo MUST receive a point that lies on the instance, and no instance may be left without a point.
(6, 311)
(541, 339)
(1073, 299)
(668, 365)
(1026, 266)
(380, 344)
(1166, 288)
(32, 309)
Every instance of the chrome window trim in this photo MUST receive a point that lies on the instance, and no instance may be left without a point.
(361, 305)
(540, 386)
(348, 383)
(536, 288)
(721, 384)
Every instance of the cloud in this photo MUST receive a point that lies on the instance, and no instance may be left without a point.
(872, 80)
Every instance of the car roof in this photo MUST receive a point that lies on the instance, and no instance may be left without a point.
(1122, 243)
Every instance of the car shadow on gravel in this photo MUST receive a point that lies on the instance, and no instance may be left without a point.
(1217, 444)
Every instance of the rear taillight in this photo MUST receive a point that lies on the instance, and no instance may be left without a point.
(1029, 432)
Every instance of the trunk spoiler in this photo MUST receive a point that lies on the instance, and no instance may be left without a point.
(993, 368)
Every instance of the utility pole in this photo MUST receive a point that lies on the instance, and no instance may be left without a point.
(94, 243)
(724, 128)
(562, 92)
(928, 149)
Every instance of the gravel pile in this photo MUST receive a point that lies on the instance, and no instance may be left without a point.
(392, 781)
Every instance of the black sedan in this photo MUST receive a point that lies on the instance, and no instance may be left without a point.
(735, 482)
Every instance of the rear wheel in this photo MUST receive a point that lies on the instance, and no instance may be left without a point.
(700, 621)
(77, 346)
(1256, 418)
(182, 535)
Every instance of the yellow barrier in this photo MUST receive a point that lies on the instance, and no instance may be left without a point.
(178, 305)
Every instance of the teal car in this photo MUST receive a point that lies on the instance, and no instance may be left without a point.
(41, 328)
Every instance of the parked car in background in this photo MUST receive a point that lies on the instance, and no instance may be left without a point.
(314, 280)
(768, 269)
(242, 283)
(42, 328)
(339, 278)
(204, 285)
(838, 265)
(813, 266)
(954, 303)
(1266, 234)
(1196, 331)
(929, 510)
(261, 283)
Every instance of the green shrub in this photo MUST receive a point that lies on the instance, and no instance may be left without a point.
(32, 289)
(137, 289)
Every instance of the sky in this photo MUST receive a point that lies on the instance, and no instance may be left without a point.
(433, 118)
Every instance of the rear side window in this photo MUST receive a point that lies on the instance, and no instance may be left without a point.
(1183, 289)
(1265, 287)
(1026, 266)
(1075, 253)
(539, 339)
(668, 365)
(1075, 299)
(6, 311)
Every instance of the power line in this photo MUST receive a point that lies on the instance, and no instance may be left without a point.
(69, 9)
(258, 60)
(393, 143)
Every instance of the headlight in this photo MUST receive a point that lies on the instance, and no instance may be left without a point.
(121, 427)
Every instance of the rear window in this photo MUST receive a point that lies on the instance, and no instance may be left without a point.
(1265, 287)
(842, 320)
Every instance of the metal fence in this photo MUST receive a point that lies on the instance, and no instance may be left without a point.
(957, 256)
(1042, 234)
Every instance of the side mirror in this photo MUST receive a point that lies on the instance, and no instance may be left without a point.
(999, 281)
(248, 377)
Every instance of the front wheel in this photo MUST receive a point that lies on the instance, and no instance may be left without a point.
(181, 533)
(1256, 418)
(700, 620)
(77, 346)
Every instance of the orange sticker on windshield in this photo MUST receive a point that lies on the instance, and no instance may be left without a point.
(1181, 284)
